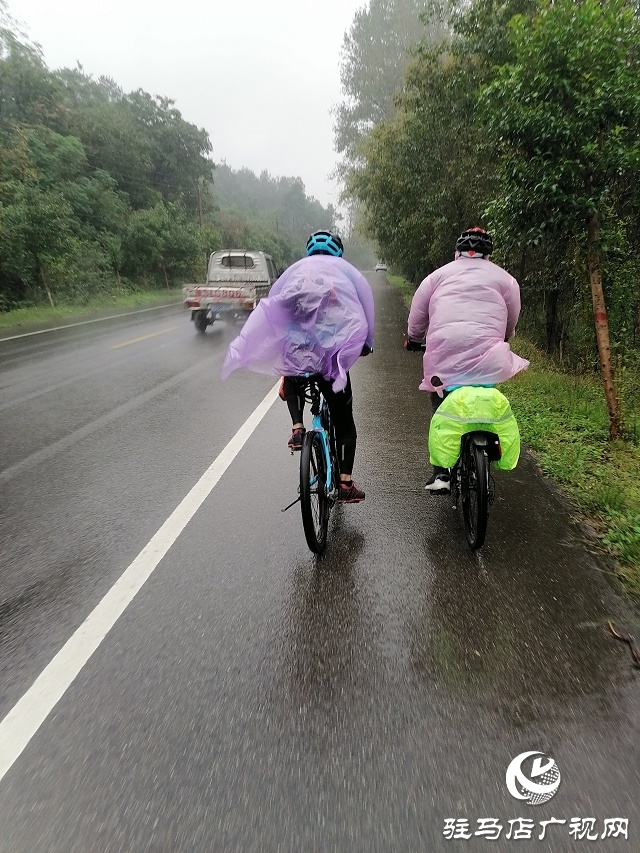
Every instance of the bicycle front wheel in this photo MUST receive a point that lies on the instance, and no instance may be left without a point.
(475, 495)
(314, 501)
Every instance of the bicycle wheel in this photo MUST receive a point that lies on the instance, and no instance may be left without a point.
(314, 502)
(475, 488)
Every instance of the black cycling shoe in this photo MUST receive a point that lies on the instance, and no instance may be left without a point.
(297, 437)
(440, 481)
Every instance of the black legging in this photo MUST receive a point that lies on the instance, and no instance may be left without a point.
(341, 409)
(436, 399)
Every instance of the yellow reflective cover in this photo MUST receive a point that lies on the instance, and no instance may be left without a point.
(468, 409)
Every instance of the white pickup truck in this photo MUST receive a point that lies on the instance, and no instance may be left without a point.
(236, 281)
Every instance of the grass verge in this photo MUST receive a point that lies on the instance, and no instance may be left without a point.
(43, 315)
(563, 421)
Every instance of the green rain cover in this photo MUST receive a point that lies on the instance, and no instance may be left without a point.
(468, 409)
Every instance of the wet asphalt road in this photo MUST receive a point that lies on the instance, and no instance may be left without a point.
(252, 697)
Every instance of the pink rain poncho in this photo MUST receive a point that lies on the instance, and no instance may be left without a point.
(466, 309)
(316, 319)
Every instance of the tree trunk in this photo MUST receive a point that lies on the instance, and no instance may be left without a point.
(166, 277)
(552, 321)
(602, 326)
(45, 285)
(199, 205)
(523, 266)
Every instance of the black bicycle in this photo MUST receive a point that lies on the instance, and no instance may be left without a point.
(472, 484)
(318, 490)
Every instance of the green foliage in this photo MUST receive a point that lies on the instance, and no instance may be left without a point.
(125, 296)
(94, 184)
(35, 233)
(565, 113)
(563, 419)
(525, 118)
(375, 54)
(28, 93)
(416, 185)
(99, 188)
(422, 171)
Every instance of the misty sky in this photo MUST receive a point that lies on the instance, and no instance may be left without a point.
(259, 77)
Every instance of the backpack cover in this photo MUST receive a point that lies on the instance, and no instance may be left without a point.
(468, 409)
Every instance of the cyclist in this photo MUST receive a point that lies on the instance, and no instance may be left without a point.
(468, 310)
(317, 320)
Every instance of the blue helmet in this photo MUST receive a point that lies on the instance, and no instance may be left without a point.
(325, 243)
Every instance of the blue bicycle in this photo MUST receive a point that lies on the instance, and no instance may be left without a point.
(318, 489)
(318, 471)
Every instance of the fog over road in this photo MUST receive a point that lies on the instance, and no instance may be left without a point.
(251, 696)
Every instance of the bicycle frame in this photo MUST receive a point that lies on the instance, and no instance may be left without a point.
(320, 423)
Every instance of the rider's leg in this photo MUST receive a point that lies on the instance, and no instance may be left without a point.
(439, 480)
(292, 394)
(341, 409)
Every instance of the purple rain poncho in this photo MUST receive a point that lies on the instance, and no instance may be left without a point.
(316, 319)
(466, 309)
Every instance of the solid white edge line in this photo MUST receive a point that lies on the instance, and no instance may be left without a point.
(86, 322)
(25, 718)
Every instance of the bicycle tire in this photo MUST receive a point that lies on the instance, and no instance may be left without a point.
(475, 494)
(314, 501)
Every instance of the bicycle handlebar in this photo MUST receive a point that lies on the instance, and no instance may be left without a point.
(414, 346)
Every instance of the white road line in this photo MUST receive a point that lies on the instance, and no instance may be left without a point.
(26, 717)
(86, 322)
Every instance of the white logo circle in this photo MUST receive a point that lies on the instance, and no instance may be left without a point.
(541, 782)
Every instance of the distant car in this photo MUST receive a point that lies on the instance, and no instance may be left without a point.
(380, 267)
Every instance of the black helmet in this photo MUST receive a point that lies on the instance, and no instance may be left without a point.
(475, 240)
(324, 243)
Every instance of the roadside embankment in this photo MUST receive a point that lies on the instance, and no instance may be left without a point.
(31, 318)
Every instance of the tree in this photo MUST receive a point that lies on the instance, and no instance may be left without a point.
(375, 54)
(28, 92)
(566, 114)
(35, 234)
(179, 150)
(423, 178)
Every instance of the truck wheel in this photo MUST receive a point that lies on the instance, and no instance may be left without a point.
(201, 321)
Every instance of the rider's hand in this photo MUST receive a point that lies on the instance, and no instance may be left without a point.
(412, 346)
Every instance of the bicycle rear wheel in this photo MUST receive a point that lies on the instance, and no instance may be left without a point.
(475, 494)
(314, 501)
